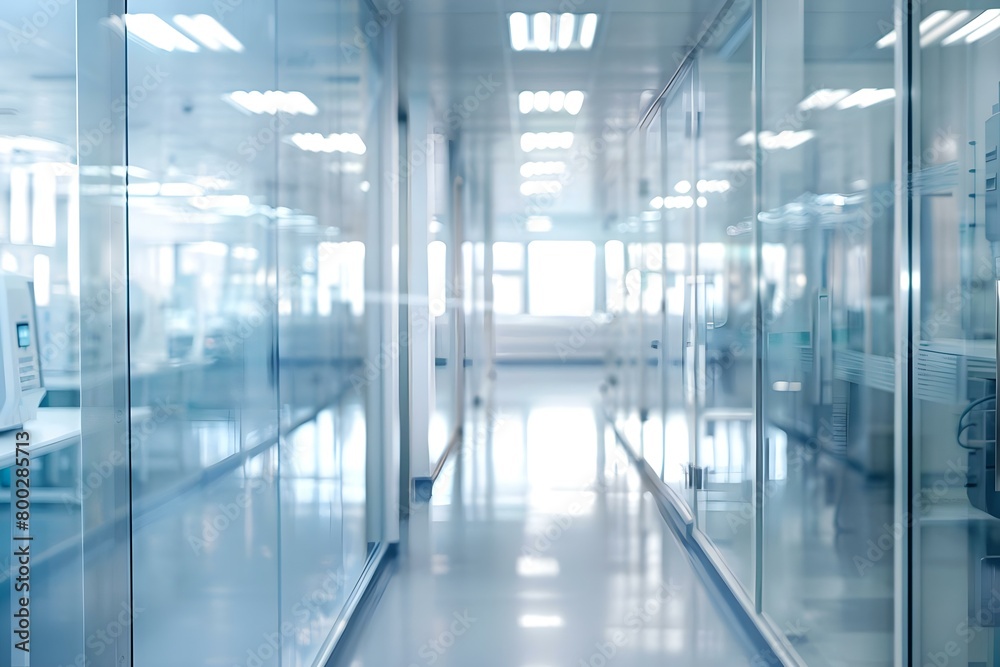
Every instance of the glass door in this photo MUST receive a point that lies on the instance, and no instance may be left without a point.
(723, 197)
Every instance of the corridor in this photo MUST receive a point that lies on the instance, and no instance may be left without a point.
(541, 549)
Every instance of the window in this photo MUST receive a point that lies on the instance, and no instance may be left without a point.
(561, 277)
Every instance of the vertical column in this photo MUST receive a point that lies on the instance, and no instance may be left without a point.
(104, 358)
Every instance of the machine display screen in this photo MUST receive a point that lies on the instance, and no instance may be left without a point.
(23, 335)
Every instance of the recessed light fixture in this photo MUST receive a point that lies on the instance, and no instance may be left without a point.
(543, 31)
(529, 169)
(272, 102)
(209, 32)
(543, 101)
(331, 143)
(540, 621)
(531, 141)
(154, 31)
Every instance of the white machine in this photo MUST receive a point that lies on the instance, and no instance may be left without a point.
(20, 362)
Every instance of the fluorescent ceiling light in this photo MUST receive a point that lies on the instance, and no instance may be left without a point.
(574, 101)
(209, 32)
(971, 27)
(564, 36)
(888, 40)
(684, 187)
(530, 169)
(542, 30)
(588, 29)
(769, 141)
(518, 31)
(531, 141)
(823, 98)
(538, 224)
(526, 101)
(541, 101)
(143, 189)
(332, 143)
(156, 32)
(702, 202)
(656, 202)
(711, 186)
(683, 201)
(273, 102)
(529, 188)
(866, 97)
(987, 29)
(928, 23)
(956, 19)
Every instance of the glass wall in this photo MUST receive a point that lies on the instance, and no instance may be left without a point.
(766, 179)
(955, 227)
(195, 258)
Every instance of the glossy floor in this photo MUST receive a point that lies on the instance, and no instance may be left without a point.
(541, 549)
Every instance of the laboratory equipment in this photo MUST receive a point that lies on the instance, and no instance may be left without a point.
(20, 363)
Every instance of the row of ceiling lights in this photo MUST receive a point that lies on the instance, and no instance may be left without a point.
(950, 28)
(556, 101)
(552, 32)
(154, 31)
(531, 141)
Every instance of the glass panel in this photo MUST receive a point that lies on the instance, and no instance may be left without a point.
(202, 313)
(955, 223)
(679, 329)
(723, 193)
(40, 495)
(826, 229)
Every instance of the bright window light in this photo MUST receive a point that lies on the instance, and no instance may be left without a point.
(19, 230)
(518, 31)
(42, 278)
(8, 263)
(43, 209)
(209, 32)
(588, 29)
(564, 38)
(561, 277)
(542, 29)
(156, 32)
(973, 26)
(574, 101)
(272, 102)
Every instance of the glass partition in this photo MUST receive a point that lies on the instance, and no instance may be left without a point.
(956, 229)
(826, 235)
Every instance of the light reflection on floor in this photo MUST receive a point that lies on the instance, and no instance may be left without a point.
(542, 534)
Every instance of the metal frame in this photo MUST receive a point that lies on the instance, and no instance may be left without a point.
(907, 243)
